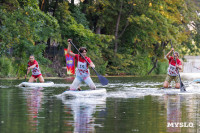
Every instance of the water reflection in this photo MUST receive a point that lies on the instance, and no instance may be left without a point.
(173, 111)
(34, 99)
(130, 107)
(83, 110)
(181, 111)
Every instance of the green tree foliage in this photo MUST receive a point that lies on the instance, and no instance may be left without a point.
(25, 30)
(6, 67)
(81, 36)
(122, 36)
(142, 28)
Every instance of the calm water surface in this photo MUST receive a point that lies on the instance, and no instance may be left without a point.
(130, 105)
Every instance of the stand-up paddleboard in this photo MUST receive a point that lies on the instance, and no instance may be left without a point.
(28, 84)
(196, 80)
(83, 93)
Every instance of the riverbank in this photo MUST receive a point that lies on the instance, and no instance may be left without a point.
(109, 76)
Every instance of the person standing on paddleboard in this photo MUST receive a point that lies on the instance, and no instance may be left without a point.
(82, 70)
(172, 73)
(34, 67)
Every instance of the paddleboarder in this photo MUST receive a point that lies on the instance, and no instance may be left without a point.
(82, 70)
(34, 67)
(172, 73)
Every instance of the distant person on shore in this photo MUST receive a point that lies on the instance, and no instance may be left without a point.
(34, 67)
(172, 73)
(82, 71)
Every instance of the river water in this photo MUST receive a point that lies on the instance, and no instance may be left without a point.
(131, 104)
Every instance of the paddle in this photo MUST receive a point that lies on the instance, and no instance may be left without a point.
(182, 87)
(102, 79)
(196, 67)
(26, 73)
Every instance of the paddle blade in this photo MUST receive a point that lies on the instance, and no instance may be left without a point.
(103, 80)
(182, 87)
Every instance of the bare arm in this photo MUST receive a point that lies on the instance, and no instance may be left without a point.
(172, 49)
(179, 67)
(28, 71)
(92, 64)
(33, 66)
(69, 49)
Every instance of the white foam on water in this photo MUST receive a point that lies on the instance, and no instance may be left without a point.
(124, 94)
(137, 90)
(148, 83)
(141, 92)
(150, 88)
(60, 85)
(190, 76)
(4, 86)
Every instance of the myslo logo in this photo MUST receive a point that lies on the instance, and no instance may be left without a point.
(180, 124)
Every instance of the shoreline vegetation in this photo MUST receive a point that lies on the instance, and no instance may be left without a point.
(123, 38)
(120, 76)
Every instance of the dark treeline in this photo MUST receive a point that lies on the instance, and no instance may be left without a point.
(124, 37)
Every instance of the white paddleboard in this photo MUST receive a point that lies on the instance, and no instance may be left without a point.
(196, 80)
(84, 93)
(28, 84)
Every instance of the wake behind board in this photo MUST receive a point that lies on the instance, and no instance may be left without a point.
(196, 85)
(28, 84)
(170, 88)
(84, 93)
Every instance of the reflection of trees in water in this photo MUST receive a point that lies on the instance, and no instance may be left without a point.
(173, 111)
(180, 109)
(34, 99)
(83, 111)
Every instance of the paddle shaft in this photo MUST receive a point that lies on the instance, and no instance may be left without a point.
(26, 71)
(196, 68)
(181, 84)
(82, 56)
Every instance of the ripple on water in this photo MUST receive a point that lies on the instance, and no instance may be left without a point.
(142, 89)
(4, 86)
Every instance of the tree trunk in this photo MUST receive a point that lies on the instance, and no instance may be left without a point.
(117, 28)
(85, 2)
(72, 2)
(98, 30)
(55, 6)
(154, 66)
(157, 53)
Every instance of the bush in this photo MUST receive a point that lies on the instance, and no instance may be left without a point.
(6, 67)
(161, 68)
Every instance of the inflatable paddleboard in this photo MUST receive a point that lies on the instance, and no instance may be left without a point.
(84, 93)
(28, 84)
(196, 80)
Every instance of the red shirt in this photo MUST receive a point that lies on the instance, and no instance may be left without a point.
(33, 63)
(35, 70)
(79, 58)
(173, 62)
